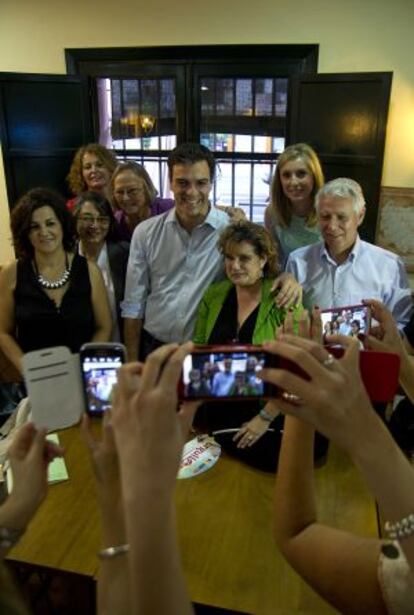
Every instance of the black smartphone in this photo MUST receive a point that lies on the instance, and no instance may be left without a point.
(99, 366)
(348, 320)
(226, 373)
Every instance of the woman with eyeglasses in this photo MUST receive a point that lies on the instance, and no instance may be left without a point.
(96, 229)
(50, 296)
(135, 196)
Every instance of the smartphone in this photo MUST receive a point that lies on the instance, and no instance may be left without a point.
(348, 320)
(99, 365)
(226, 373)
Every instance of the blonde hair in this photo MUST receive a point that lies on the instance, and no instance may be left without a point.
(105, 156)
(280, 205)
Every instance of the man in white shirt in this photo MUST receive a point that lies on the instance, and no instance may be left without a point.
(174, 257)
(342, 270)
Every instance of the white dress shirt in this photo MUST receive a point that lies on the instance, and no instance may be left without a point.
(369, 272)
(168, 272)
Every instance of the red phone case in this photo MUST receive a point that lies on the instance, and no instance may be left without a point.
(379, 372)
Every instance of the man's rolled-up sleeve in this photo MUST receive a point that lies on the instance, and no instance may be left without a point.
(137, 279)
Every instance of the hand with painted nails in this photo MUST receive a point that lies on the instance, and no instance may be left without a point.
(333, 399)
(387, 338)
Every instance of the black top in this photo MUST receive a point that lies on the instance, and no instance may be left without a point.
(39, 323)
(409, 331)
(225, 328)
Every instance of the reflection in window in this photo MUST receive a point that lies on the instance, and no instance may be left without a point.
(137, 114)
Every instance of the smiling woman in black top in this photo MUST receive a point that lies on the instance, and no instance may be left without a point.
(49, 296)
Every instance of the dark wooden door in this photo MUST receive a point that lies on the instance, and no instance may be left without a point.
(43, 120)
(344, 117)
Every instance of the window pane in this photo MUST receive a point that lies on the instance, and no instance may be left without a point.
(137, 113)
(243, 115)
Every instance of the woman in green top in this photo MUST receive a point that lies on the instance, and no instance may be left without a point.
(291, 217)
(242, 310)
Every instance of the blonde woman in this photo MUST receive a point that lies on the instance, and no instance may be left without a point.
(291, 218)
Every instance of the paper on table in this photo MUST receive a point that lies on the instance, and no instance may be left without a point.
(57, 471)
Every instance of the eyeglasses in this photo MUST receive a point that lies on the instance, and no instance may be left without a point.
(102, 220)
(130, 192)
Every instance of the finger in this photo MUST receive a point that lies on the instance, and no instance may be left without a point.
(373, 343)
(304, 359)
(38, 448)
(288, 325)
(304, 324)
(316, 326)
(239, 434)
(128, 378)
(285, 297)
(173, 367)
(155, 364)
(87, 434)
(22, 441)
(52, 451)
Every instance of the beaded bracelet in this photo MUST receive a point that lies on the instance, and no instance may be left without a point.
(400, 529)
(111, 552)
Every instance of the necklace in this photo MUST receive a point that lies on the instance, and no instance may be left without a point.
(44, 283)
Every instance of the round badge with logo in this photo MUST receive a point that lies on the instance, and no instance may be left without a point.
(199, 455)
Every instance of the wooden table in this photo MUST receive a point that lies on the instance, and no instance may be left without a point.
(224, 526)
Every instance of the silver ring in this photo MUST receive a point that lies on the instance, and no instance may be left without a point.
(291, 398)
(329, 361)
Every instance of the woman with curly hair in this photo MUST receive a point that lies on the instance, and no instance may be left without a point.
(291, 217)
(242, 310)
(91, 170)
(49, 296)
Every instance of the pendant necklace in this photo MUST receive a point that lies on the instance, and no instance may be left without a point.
(48, 284)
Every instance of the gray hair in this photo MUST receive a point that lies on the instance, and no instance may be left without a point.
(345, 188)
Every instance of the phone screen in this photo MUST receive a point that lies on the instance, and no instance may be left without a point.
(225, 375)
(99, 374)
(351, 320)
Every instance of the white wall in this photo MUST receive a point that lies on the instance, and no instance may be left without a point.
(359, 35)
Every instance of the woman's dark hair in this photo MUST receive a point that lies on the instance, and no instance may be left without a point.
(257, 236)
(104, 208)
(21, 219)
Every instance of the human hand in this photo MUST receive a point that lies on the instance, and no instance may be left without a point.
(289, 290)
(149, 432)
(29, 456)
(334, 399)
(250, 432)
(308, 327)
(103, 454)
(236, 214)
(385, 337)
